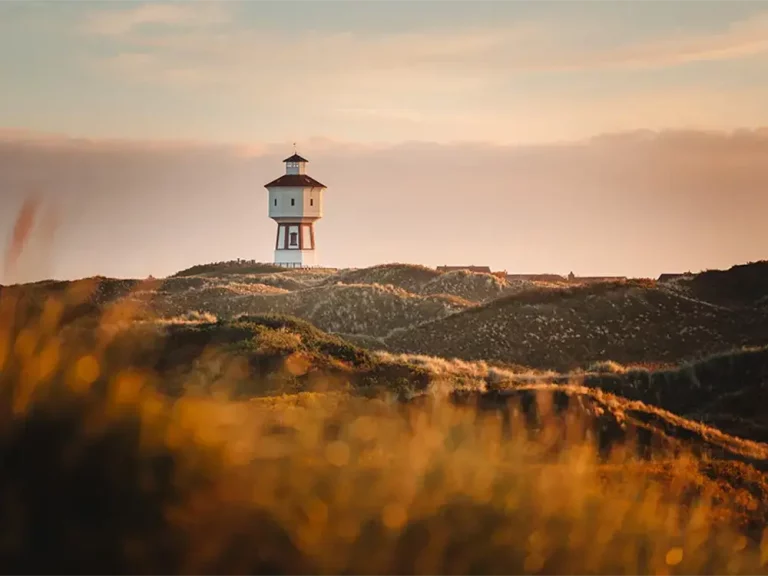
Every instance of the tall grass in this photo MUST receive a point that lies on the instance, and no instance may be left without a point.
(101, 473)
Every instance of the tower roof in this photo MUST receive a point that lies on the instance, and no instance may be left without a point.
(295, 180)
(295, 158)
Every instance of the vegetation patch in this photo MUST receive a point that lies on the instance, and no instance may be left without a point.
(628, 322)
(229, 267)
(740, 285)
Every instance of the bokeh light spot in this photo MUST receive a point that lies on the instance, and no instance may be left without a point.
(674, 556)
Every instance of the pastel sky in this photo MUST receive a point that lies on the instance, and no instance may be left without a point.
(503, 71)
(485, 79)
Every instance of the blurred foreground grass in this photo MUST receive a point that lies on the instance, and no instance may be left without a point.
(100, 472)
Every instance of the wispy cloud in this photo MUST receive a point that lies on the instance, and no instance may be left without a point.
(740, 40)
(234, 71)
(194, 42)
(111, 22)
(448, 83)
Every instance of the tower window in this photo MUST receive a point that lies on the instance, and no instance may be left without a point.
(311, 201)
(294, 239)
(293, 202)
(275, 201)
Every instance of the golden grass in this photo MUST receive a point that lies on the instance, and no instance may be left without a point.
(101, 473)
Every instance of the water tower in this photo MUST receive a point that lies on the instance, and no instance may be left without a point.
(295, 203)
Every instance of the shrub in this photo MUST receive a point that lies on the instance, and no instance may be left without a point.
(278, 341)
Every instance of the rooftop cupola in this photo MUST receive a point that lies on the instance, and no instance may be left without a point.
(295, 165)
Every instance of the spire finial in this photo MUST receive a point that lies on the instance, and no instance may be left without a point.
(294, 147)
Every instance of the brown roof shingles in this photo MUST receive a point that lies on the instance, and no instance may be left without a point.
(295, 180)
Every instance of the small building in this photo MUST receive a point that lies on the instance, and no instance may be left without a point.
(295, 203)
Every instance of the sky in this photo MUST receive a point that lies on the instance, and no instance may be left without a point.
(603, 137)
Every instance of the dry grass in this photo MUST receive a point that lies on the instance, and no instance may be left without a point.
(478, 374)
(631, 322)
(408, 277)
(193, 317)
(101, 473)
(405, 308)
(741, 285)
(607, 366)
(370, 309)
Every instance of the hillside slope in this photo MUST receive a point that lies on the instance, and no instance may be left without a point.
(563, 329)
(742, 285)
(733, 467)
(618, 420)
(370, 309)
(727, 390)
(413, 309)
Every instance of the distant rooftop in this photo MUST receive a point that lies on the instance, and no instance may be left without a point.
(295, 158)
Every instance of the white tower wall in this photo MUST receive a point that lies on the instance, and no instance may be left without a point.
(296, 258)
(295, 203)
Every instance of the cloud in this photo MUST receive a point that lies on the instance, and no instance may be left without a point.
(234, 82)
(125, 21)
(234, 56)
(502, 81)
(197, 49)
(742, 39)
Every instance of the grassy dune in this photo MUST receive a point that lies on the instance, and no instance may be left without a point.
(632, 321)
(102, 470)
